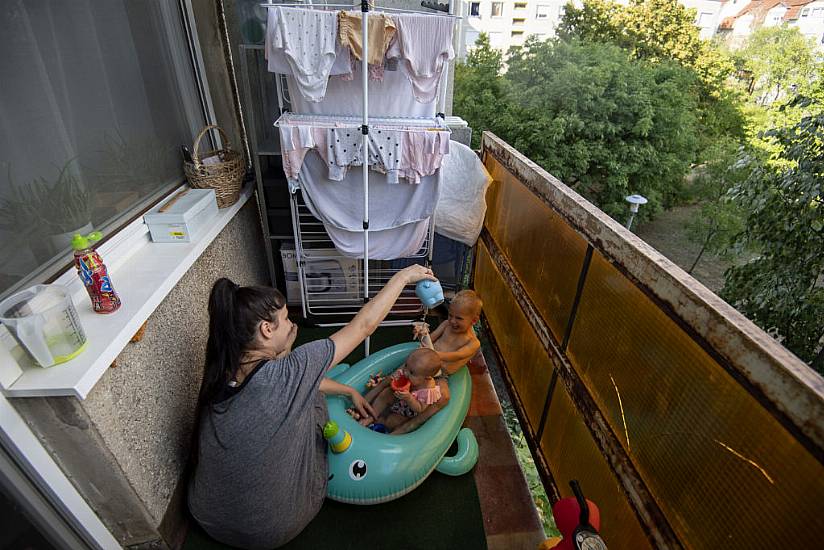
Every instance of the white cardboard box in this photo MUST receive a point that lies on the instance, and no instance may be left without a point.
(180, 218)
(336, 277)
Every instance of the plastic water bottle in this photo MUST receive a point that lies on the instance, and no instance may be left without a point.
(93, 273)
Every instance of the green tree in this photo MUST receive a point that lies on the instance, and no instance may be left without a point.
(776, 59)
(605, 123)
(782, 289)
(661, 31)
(479, 89)
(719, 218)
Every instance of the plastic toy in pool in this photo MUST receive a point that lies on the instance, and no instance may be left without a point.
(368, 467)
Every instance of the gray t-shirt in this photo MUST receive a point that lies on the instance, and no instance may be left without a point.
(262, 471)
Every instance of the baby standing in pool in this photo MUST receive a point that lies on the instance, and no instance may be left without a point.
(394, 403)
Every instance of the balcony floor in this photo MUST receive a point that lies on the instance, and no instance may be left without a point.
(491, 508)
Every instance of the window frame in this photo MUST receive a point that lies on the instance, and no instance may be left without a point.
(546, 15)
(492, 10)
(475, 4)
(181, 32)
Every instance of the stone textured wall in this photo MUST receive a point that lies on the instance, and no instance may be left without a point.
(125, 445)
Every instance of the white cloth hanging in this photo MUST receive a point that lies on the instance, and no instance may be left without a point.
(308, 40)
(398, 214)
(461, 208)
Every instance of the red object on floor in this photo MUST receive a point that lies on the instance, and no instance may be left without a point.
(567, 513)
(401, 383)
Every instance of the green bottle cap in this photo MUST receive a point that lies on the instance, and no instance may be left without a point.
(82, 242)
(330, 429)
(79, 242)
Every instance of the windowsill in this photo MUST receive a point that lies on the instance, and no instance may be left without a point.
(143, 273)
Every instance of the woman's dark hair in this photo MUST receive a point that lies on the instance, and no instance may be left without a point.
(234, 314)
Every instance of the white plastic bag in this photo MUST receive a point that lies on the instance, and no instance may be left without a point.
(459, 214)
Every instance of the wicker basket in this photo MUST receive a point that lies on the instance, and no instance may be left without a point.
(225, 175)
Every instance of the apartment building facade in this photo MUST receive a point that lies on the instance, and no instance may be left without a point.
(509, 22)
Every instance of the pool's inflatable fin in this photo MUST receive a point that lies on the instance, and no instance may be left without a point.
(337, 370)
(464, 459)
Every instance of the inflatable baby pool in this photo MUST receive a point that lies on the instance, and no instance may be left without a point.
(376, 467)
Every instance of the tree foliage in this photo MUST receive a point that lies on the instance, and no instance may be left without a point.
(605, 123)
(782, 289)
(664, 31)
(775, 59)
(719, 218)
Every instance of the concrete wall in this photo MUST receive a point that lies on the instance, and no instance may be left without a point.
(125, 445)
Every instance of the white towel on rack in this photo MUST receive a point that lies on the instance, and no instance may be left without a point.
(398, 214)
(424, 43)
(390, 97)
(307, 39)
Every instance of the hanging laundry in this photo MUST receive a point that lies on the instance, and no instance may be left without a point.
(295, 142)
(380, 34)
(276, 59)
(307, 39)
(424, 43)
(344, 148)
(422, 153)
(398, 215)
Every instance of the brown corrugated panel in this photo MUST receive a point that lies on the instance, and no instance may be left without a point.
(543, 250)
(721, 467)
(567, 444)
(527, 362)
(572, 454)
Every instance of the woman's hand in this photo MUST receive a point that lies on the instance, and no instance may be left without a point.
(361, 405)
(415, 273)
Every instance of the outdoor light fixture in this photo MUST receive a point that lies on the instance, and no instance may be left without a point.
(635, 202)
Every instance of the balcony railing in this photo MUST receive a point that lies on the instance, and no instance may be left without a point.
(687, 424)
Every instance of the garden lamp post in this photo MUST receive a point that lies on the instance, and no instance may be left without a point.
(635, 202)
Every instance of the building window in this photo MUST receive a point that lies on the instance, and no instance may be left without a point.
(542, 11)
(470, 38)
(805, 12)
(518, 21)
(474, 9)
(95, 110)
(705, 19)
(520, 5)
(517, 34)
(497, 9)
(817, 12)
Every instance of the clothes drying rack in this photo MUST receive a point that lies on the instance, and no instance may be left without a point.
(332, 294)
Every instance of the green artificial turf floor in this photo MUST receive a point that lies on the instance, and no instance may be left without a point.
(443, 513)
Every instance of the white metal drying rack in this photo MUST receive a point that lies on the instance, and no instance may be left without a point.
(365, 8)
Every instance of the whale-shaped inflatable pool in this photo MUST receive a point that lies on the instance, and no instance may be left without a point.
(377, 467)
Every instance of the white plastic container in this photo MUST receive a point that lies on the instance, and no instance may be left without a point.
(336, 277)
(181, 218)
(44, 321)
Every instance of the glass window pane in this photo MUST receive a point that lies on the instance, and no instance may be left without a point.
(497, 9)
(94, 106)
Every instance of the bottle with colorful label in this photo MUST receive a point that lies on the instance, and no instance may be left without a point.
(93, 273)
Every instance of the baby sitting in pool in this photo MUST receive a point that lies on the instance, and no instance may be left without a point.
(395, 403)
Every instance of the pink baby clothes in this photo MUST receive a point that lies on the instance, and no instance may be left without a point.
(428, 396)
(422, 153)
(295, 142)
(425, 44)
